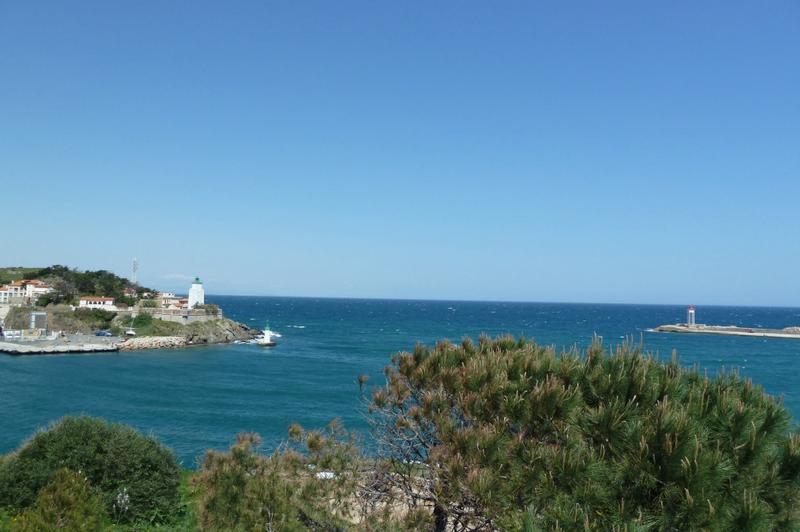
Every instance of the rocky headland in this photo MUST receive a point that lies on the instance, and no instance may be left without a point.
(219, 331)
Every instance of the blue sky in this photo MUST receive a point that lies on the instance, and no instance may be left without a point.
(559, 151)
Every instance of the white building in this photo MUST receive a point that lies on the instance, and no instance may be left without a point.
(24, 291)
(197, 295)
(102, 303)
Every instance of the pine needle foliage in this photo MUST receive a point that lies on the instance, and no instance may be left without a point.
(508, 434)
(307, 484)
(317, 480)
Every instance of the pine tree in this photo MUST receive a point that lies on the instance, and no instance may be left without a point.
(509, 434)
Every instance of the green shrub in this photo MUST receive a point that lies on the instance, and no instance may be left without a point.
(67, 503)
(143, 320)
(512, 435)
(113, 457)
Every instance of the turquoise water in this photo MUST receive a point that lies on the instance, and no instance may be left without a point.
(199, 398)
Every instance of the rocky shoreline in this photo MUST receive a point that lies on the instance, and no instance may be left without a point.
(152, 342)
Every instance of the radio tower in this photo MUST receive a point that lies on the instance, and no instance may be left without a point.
(135, 277)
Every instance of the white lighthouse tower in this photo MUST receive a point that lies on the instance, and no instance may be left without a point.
(690, 316)
(197, 295)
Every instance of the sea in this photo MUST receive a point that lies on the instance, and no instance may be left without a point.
(199, 398)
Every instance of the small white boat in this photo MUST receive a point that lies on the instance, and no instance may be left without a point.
(267, 338)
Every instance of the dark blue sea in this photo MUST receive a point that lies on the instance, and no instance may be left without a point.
(199, 398)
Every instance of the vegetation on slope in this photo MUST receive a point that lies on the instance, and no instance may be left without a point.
(62, 318)
(70, 283)
(147, 325)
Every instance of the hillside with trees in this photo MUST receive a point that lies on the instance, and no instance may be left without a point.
(70, 283)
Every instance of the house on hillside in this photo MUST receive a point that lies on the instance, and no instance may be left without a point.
(24, 291)
(102, 303)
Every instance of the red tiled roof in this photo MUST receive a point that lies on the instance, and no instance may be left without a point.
(23, 282)
(95, 298)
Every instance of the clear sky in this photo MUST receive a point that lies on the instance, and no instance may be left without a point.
(541, 151)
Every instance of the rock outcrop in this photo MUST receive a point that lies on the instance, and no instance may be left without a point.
(218, 332)
(209, 332)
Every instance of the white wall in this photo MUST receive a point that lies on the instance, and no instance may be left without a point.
(102, 305)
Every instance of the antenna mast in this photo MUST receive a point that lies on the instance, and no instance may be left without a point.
(135, 277)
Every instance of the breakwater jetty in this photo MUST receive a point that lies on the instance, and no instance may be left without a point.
(788, 332)
(692, 327)
(33, 348)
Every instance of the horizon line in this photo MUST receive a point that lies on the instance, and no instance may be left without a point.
(520, 302)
